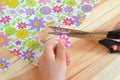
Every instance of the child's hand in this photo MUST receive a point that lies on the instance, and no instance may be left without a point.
(53, 62)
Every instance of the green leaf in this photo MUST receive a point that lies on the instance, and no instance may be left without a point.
(10, 47)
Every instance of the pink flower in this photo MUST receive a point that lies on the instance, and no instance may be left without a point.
(57, 9)
(68, 21)
(21, 25)
(15, 52)
(44, 1)
(5, 19)
(64, 39)
(4, 40)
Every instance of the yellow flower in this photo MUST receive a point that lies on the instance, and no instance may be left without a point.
(13, 3)
(22, 34)
(4, 2)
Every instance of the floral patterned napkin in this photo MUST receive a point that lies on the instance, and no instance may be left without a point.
(22, 20)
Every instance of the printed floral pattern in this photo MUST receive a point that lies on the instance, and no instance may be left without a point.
(5, 19)
(28, 55)
(4, 39)
(21, 22)
(4, 64)
(37, 23)
(16, 52)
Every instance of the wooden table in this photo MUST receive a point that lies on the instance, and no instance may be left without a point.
(90, 60)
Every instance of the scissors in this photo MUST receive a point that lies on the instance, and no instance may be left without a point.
(107, 39)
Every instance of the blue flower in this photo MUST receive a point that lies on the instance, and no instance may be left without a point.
(37, 23)
(68, 9)
(45, 10)
(28, 55)
(30, 11)
(4, 64)
(79, 19)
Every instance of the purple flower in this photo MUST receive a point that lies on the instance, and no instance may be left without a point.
(45, 10)
(86, 8)
(79, 19)
(68, 9)
(30, 11)
(28, 55)
(4, 64)
(37, 23)
(18, 42)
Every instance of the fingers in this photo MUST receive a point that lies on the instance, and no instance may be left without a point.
(60, 52)
(49, 51)
(68, 60)
(114, 47)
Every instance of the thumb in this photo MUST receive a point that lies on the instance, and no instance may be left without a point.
(60, 52)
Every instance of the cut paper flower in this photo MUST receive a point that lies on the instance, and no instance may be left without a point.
(79, 19)
(45, 10)
(37, 23)
(4, 39)
(63, 39)
(16, 52)
(5, 19)
(68, 21)
(4, 64)
(28, 55)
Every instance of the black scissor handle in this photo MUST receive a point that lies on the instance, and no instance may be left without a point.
(109, 43)
(114, 34)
